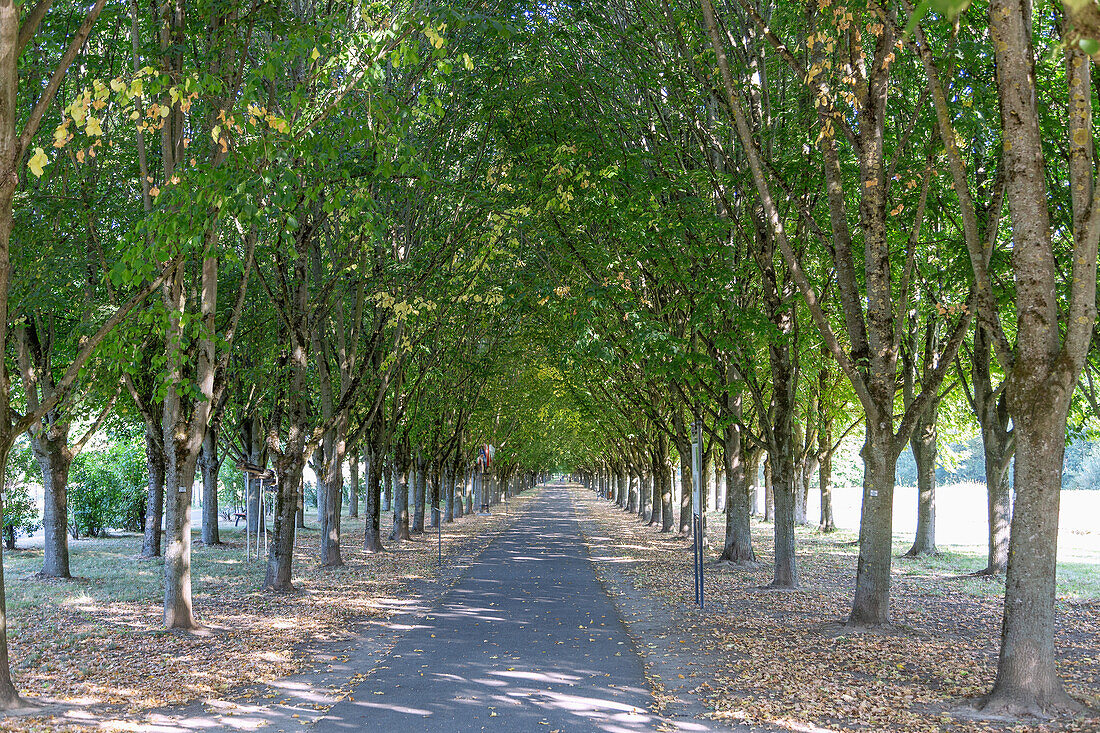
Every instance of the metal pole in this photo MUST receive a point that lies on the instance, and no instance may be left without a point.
(263, 518)
(697, 509)
(247, 520)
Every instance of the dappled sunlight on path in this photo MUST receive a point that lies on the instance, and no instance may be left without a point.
(528, 640)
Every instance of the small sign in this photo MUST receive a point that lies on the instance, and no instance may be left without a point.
(183, 489)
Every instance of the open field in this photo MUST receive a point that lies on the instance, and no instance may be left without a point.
(961, 518)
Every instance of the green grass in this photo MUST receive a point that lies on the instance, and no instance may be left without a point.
(110, 570)
(1078, 579)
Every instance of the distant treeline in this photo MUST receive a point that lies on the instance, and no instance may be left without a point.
(963, 462)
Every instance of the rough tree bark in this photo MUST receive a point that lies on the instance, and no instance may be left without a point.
(1046, 363)
(154, 504)
(387, 475)
(401, 472)
(991, 408)
(330, 493)
(353, 489)
(923, 444)
(737, 549)
(209, 464)
(372, 536)
(449, 471)
(419, 487)
(825, 475)
(683, 447)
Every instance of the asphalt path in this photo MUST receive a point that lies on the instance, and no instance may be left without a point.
(528, 640)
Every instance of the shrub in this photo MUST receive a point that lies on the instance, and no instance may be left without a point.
(107, 487)
(1086, 474)
(20, 513)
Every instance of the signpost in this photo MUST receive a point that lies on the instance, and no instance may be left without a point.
(697, 509)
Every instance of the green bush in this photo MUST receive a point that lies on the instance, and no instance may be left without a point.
(107, 487)
(1085, 474)
(20, 514)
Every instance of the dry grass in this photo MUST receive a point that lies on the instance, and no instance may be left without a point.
(772, 658)
(98, 641)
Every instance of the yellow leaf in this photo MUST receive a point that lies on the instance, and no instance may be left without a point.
(467, 62)
(93, 127)
(38, 162)
(316, 54)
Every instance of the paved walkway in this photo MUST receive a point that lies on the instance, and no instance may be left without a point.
(527, 641)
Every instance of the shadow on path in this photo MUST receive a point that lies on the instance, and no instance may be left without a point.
(527, 641)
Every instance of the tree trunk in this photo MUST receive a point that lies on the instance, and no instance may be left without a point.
(154, 503)
(825, 473)
(180, 482)
(923, 444)
(9, 698)
(737, 548)
(449, 491)
(802, 492)
(372, 536)
(281, 553)
(387, 474)
(182, 443)
(353, 493)
(781, 456)
(752, 476)
(664, 481)
(300, 515)
(419, 491)
(208, 462)
(401, 496)
(769, 496)
(998, 459)
(254, 440)
(1027, 681)
(655, 490)
(459, 479)
(871, 605)
(54, 458)
(1050, 351)
(331, 487)
(634, 483)
(801, 480)
(434, 494)
(683, 447)
(719, 479)
(991, 408)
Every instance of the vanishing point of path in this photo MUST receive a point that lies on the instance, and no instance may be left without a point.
(527, 641)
